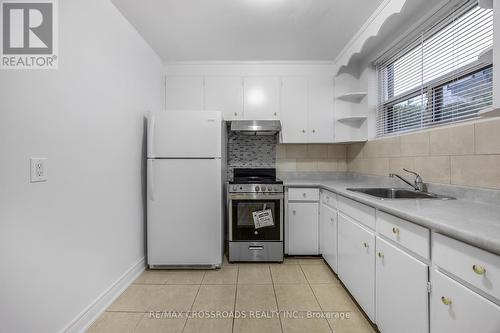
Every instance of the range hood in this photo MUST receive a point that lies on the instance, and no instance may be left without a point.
(256, 127)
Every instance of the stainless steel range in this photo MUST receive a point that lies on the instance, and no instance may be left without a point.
(253, 195)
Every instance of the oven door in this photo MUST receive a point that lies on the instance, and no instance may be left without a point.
(241, 221)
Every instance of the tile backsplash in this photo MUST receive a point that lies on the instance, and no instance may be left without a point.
(245, 151)
(311, 157)
(465, 155)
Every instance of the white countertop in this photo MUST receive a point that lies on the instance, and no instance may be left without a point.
(477, 224)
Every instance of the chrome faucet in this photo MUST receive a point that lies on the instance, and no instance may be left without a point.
(418, 183)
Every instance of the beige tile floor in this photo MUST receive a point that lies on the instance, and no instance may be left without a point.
(296, 289)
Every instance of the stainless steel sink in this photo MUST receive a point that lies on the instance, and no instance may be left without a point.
(398, 193)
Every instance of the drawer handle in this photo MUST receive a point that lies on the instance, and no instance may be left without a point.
(395, 231)
(256, 248)
(480, 270)
(365, 244)
(380, 255)
(446, 300)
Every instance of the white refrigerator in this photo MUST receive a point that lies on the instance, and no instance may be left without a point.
(185, 186)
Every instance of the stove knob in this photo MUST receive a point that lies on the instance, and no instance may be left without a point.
(257, 189)
(269, 188)
(263, 188)
(235, 188)
(276, 188)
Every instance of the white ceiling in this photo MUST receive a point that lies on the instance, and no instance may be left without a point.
(242, 30)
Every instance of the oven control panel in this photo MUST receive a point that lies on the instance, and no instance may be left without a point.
(255, 188)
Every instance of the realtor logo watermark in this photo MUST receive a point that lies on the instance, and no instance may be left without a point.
(29, 36)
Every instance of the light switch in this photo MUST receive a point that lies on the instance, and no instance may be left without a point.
(39, 170)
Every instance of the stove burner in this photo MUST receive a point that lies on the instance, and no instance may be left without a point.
(255, 176)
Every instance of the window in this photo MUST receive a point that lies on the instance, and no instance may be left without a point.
(438, 77)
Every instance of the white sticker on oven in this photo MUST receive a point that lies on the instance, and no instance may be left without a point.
(263, 218)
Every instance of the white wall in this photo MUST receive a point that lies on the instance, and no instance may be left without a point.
(64, 242)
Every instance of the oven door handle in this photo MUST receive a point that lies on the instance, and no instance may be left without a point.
(256, 247)
(249, 196)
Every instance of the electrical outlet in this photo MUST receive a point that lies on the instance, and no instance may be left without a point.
(39, 170)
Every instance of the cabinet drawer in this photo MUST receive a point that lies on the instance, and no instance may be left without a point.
(329, 199)
(303, 194)
(464, 311)
(414, 237)
(475, 266)
(358, 211)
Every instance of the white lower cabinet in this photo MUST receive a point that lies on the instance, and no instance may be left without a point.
(328, 235)
(356, 262)
(401, 291)
(455, 308)
(303, 228)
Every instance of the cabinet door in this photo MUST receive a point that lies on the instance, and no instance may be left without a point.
(457, 309)
(401, 291)
(321, 122)
(261, 98)
(225, 93)
(293, 113)
(303, 227)
(356, 262)
(328, 235)
(184, 93)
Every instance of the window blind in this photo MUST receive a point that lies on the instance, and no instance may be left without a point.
(437, 78)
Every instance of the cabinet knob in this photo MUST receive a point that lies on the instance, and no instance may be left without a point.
(303, 131)
(480, 270)
(304, 195)
(275, 113)
(314, 131)
(380, 255)
(446, 300)
(395, 231)
(332, 219)
(294, 212)
(236, 113)
(365, 244)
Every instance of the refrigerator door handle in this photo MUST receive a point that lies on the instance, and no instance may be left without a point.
(150, 177)
(151, 134)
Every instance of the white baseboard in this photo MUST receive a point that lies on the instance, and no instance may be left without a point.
(87, 317)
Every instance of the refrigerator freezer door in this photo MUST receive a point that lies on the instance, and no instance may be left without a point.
(185, 134)
(184, 212)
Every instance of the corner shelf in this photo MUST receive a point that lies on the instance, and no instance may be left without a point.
(354, 97)
(486, 56)
(352, 119)
(490, 112)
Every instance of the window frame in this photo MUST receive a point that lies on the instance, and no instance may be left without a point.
(429, 90)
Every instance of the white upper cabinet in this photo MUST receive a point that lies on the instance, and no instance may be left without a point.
(293, 115)
(184, 93)
(321, 118)
(261, 96)
(225, 93)
(307, 109)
